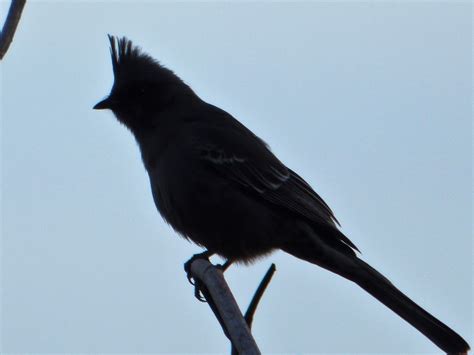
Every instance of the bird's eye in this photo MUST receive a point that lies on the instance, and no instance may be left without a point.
(142, 91)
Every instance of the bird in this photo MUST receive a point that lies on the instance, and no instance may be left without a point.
(219, 185)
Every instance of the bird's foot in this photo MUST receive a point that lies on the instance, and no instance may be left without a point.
(198, 287)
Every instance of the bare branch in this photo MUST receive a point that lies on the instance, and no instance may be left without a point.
(256, 299)
(258, 295)
(220, 298)
(9, 28)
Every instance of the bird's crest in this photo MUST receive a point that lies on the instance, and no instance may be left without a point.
(122, 52)
(129, 62)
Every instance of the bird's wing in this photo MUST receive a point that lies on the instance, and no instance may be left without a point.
(246, 160)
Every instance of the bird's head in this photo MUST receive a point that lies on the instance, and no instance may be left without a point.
(142, 86)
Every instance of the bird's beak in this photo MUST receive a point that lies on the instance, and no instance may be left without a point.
(106, 103)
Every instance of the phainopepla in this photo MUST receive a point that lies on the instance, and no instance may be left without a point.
(219, 185)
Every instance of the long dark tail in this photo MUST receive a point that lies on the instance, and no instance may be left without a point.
(356, 270)
(383, 290)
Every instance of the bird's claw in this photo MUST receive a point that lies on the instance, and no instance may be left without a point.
(198, 293)
(196, 283)
(190, 279)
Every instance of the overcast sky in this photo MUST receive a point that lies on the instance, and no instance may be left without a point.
(370, 102)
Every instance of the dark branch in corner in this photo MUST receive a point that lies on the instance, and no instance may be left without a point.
(9, 28)
(213, 286)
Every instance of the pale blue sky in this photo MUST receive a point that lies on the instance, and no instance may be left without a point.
(370, 102)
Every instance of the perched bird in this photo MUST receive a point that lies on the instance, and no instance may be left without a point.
(219, 185)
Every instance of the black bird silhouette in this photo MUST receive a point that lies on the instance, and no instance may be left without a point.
(218, 184)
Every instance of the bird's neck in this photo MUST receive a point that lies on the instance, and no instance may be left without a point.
(153, 141)
(161, 131)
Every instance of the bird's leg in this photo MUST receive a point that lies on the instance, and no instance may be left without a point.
(226, 265)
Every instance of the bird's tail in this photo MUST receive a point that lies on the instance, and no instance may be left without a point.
(356, 270)
(382, 289)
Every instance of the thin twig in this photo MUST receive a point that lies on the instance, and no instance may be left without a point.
(218, 294)
(256, 299)
(9, 28)
(258, 295)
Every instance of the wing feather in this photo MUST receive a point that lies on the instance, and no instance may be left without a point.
(273, 181)
(240, 156)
